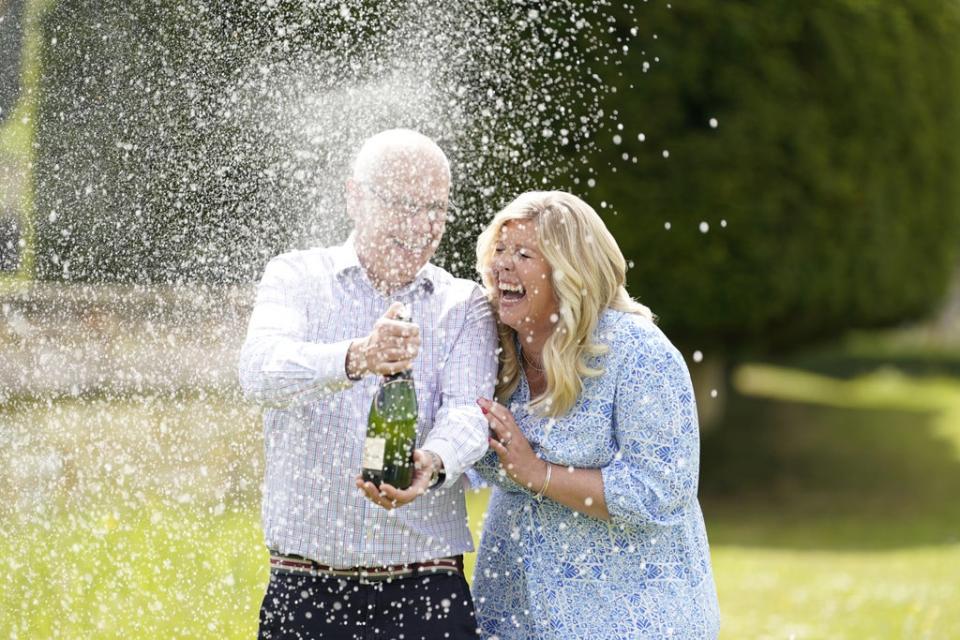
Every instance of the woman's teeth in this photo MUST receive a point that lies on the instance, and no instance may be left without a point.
(511, 291)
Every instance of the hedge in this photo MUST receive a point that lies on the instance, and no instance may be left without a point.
(819, 142)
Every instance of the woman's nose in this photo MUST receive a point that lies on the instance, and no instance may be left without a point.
(502, 262)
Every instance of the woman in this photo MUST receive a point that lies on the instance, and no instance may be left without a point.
(594, 529)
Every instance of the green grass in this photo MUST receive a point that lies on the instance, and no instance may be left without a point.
(154, 572)
(830, 498)
(783, 593)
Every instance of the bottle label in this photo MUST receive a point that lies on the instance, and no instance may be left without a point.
(373, 453)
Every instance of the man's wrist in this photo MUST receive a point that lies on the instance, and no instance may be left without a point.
(355, 364)
(438, 474)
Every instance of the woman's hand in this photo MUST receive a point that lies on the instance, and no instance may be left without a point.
(508, 442)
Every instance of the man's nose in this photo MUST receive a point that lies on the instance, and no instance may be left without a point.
(422, 221)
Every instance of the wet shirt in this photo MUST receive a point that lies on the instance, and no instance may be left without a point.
(547, 571)
(310, 306)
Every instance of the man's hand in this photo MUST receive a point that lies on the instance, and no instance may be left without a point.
(390, 348)
(389, 497)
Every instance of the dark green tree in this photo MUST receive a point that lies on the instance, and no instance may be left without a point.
(817, 143)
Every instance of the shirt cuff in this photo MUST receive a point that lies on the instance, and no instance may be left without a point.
(331, 363)
(449, 456)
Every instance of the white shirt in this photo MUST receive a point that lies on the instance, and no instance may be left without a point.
(310, 306)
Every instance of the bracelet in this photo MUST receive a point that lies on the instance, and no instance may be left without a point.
(546, 483)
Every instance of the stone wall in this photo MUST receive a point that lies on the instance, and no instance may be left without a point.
(71, 339)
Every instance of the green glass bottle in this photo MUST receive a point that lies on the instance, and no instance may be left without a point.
(392, 431)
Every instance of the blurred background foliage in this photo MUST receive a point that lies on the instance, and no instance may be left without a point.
(782, 177)
(810, 184)
(833, 166)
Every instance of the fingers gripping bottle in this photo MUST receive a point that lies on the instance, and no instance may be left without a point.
(392, 428)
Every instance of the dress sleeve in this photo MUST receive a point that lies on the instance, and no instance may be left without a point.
(487, 471)
(653, 477)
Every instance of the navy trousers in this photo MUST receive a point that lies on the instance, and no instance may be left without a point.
(304, 607)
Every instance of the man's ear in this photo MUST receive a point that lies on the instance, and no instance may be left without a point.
(352, 190)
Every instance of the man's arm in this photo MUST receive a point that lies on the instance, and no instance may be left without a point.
(278, 365)
(459, 433)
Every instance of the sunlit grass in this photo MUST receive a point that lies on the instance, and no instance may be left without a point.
(908, 594)
(830, 504)
(155, 572)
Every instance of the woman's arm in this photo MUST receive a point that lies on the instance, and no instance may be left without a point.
(488, 470)
(653, 478)
(578, 489)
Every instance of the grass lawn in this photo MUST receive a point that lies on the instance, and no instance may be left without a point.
(830, 498)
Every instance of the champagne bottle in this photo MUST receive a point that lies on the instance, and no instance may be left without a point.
(392, 429)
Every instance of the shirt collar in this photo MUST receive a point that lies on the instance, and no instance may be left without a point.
(345, 260)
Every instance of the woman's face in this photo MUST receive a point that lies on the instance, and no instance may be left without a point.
(522, 277)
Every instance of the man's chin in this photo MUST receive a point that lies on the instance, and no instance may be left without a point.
(408, 262)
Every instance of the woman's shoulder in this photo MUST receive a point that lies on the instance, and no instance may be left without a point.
(630, 335)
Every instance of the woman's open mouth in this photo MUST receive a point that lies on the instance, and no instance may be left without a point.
(511, 293)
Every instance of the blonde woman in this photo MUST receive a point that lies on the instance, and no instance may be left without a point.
(594, 529)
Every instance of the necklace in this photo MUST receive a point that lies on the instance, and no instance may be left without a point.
(527, 360)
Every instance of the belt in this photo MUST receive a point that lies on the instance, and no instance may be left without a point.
(299, 564)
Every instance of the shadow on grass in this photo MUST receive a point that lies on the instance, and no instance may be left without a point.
(809, 476)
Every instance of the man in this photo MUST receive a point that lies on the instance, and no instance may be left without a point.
(347, 560)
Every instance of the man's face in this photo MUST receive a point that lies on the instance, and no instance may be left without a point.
(403, 212)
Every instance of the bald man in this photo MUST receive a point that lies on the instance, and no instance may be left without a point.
(348, 560)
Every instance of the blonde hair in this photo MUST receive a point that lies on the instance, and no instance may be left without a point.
(588, 276)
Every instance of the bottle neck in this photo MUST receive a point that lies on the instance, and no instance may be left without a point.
(400, 375)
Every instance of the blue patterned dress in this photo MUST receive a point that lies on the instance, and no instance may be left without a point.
(546, 571)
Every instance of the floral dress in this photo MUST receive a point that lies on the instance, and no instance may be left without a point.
(546, 571)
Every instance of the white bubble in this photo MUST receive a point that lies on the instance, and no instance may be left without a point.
(641, 137)
(588, 501)
(704, 227)
(713, 393)
(554, 317)
(713, 123)
(697, 356)
(723, 223)
(667, 225)
(666, 154)
(617, 139)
